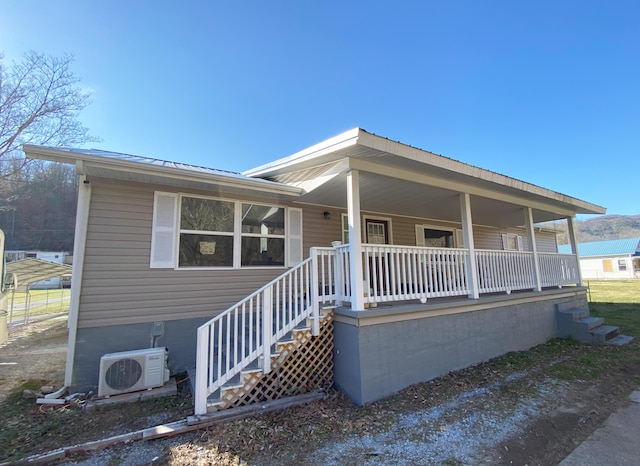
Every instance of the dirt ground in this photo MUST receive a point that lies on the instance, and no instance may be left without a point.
(34, 351)
(512, 410)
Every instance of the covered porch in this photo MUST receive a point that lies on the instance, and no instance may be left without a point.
(495, 239)
(408, 305)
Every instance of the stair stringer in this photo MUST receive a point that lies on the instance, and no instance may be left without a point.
(299, 365)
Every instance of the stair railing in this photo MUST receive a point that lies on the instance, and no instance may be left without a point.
(246, 331)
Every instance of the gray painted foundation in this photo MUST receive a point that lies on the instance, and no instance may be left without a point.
(91, 343)
(379, 352)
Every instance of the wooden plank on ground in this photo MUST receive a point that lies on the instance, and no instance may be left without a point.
(173, 428)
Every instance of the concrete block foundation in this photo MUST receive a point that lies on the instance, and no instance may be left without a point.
(381, 351)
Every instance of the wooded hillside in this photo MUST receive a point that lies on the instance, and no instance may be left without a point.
(601, 228)
(38, 207)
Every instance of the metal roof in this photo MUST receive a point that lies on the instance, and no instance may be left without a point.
(34, 270)
(614, 247)
(116, 165)
(147, 160)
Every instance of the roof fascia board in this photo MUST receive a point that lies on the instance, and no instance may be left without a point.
(84, 162)
(336, 143)
(402, 150)
(363, 165)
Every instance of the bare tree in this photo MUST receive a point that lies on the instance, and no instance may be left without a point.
(40, 103)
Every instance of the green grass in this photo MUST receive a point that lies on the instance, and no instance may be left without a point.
(618, 302)
(42, 302)
(614, 291)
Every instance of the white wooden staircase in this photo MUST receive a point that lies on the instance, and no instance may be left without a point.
(300, 362)
(276, 342)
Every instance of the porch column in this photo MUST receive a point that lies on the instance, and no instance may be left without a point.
(571, 227)
(531, 237)
(355, 240)
(467, 234)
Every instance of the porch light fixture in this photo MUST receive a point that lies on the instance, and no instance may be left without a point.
(327, 215)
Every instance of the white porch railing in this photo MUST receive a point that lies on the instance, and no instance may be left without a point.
(505, 271)
(401, 273)
(245, 332)
(558, 269)
(343, 273)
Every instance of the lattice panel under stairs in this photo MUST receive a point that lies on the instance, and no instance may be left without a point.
(299, 365)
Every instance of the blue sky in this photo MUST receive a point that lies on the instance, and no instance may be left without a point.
(544, 91)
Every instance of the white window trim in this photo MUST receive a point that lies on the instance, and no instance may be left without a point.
(624, 263)
(457, 234)
(519, 241)
(237, 233)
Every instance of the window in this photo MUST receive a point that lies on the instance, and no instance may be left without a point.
(512, 242)
(262, 235)
(436, 237)
(377, 231)
(206, 232)
(622, 265)
(191, 231)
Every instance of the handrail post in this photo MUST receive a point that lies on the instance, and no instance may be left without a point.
(338, 274)
(202, 369)
(315, 292)
(267, 330)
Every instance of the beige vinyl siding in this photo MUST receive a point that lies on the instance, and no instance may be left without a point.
(319, 231)
(118, 287)
(547, 241)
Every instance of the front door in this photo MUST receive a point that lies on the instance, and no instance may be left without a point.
(377, 231)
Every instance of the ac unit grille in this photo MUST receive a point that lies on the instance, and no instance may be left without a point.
(123, 374)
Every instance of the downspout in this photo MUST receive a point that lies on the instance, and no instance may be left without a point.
(79, 244)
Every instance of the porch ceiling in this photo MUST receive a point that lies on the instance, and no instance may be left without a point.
(383, 194)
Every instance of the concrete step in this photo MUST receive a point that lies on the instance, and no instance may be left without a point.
(575, 323)
(590, 323)
(604, 333)
(574, 314)
(620, 340)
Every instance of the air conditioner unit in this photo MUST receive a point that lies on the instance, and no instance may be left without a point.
(130, 371)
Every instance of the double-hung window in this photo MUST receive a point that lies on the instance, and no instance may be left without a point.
(206, 232)
(262, 235)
